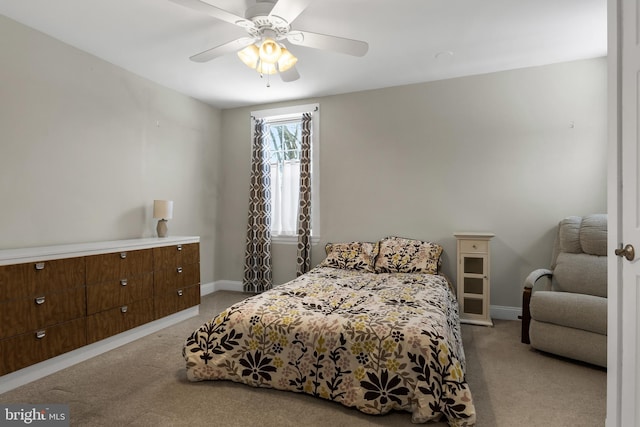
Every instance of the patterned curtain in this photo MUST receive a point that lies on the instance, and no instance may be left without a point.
(304, 207)
(257, 260)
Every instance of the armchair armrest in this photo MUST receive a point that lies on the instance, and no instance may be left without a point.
(533, 277)
(529, 283)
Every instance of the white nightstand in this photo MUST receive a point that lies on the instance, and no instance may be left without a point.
(473, 282)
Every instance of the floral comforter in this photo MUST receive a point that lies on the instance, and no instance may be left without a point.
(377, 342)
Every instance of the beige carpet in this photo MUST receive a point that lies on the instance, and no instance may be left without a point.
(144, 384)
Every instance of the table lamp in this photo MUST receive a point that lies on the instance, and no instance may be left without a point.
(162, 209)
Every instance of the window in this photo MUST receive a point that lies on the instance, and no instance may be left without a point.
(283, 141)
(283, 133)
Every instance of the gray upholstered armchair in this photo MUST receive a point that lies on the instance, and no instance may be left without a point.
(564, 308)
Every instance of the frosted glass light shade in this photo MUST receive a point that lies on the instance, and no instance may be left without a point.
(270, 51)
(266, 68)
(163, 209)
(270, 58)
(249, 55)
(286, 60)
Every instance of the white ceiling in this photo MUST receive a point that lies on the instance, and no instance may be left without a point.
(410, 41)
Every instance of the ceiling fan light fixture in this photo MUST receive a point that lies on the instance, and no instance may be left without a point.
(266, 68)
(250, 56)
(267, 22)
(270, 51)
(286, 60)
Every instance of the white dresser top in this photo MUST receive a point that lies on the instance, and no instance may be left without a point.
(46, 253)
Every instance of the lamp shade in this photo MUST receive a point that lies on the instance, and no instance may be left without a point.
(269, 51)
(286, 60)
(266, 68)
(250, 55)
(163, 209)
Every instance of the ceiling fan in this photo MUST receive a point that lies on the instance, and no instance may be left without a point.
(267, 24)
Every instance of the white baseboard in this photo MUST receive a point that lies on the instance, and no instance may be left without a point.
(207, 288)
(221, 285)
(49, 366)
(505, 313)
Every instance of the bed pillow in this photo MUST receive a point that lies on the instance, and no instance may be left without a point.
(400, 255)
(351, 256)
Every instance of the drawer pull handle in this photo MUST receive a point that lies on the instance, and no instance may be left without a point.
(124, 309)
(123, 282)
(41, 334)
(475, 246)
(179, 270)
(39, 266)
(40, 300)
(123, 255)
(179, 247)
(179, 292)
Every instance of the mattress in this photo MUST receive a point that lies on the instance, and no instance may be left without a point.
(377, 342)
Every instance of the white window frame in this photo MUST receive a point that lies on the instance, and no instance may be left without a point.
(284, 113)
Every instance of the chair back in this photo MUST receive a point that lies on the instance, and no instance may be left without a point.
(580, 255)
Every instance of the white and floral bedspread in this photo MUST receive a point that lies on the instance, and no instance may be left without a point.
(377, 342)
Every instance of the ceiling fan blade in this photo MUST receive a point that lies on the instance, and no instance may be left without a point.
(223, 49)
(290, 75)
(326, 42)
(289, 9)
(216, 12)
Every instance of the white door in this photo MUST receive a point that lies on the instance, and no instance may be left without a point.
(623, 377)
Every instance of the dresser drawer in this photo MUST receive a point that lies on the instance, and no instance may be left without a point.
(26, 314)
(36, 278)
(176, 278)
(118, 265)
(116, 320)
(116, 293)
(165, 257)
(176, 300)
(474, 246)
(33, 347)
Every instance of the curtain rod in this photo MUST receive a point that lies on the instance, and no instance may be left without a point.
(289, 115)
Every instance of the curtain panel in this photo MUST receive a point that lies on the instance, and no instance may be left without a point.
(285, 178)
(304, 202)
(257, 264)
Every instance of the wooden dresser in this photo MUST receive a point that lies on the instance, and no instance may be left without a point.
(176, 278)
(60, 298)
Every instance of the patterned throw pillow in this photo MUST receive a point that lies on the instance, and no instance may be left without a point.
(400, 255)
(351, 256)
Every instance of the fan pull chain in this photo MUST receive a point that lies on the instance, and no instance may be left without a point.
(268, 79)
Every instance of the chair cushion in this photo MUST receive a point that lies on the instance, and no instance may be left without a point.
(580, 273)
(584, 234)
(593, 234)
(581, 264)
(586, 312)
(569, 234)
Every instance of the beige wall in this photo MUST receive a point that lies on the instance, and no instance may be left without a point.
(510, 152)
(85, 147)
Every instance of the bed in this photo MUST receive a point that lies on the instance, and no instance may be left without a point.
(374, 326)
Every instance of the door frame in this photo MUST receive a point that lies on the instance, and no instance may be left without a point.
(622, 317)
(614, 211)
